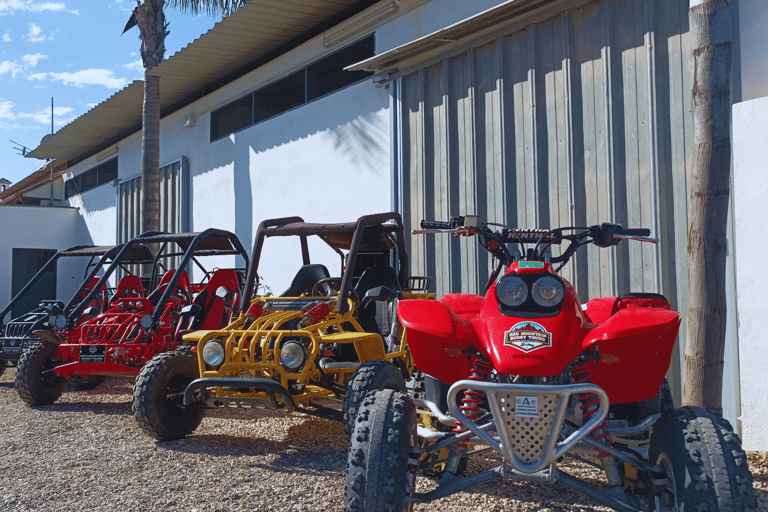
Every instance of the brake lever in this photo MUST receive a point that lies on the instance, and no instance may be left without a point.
(650, 239)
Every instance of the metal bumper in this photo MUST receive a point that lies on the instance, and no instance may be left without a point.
(272, 389)
(528, 420)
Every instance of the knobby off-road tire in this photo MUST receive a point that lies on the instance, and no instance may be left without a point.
(35, 383)
(369, 376)
(377, 478)
(86, 383)
(158, 396)
(705, 464)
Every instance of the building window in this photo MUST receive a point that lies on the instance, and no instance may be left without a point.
(92, 178)
(314, 81)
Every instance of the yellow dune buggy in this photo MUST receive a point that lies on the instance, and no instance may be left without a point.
(318, 348)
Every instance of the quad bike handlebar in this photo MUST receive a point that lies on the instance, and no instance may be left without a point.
(604, 235)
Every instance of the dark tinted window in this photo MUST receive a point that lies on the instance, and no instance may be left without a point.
(232, 117)
(92, 178)
(318, 79)
(328, 75)
(278, 97)
(108, 171)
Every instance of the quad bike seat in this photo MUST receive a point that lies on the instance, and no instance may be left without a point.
(601, 309)
(305, 280)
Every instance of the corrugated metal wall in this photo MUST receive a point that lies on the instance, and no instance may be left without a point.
(579, 120)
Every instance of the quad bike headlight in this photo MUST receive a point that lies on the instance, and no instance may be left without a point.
(292, 354)
(511, 291)
(145, 322)
(213, 353)
(548, 291)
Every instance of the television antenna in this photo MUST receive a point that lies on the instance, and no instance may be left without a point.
(21, 148)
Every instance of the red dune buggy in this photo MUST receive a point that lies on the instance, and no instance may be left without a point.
(16, 335)
(145, 316)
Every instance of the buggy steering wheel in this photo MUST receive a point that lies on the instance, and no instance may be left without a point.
(336, 283)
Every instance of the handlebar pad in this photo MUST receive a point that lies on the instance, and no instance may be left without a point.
(434, 224)
(636, 232)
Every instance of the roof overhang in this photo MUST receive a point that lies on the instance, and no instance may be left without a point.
(256, 33)
(505, 18)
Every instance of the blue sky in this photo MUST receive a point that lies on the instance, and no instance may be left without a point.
(71, 51)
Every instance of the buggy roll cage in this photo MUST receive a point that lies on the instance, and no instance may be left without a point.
(104, 253)
(369, 232)
(211, 242)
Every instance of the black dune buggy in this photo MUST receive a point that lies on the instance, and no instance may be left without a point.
(318, 348)
(144, 317)
(16, 335)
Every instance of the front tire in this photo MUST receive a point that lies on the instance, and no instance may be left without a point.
(705, 465)
(158, 396)
(369, 376)
(377, 477)
(36, 382)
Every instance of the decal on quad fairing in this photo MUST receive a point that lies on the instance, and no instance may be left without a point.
(528, 336)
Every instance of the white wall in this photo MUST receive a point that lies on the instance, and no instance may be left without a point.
(750, 188)
(38, 227)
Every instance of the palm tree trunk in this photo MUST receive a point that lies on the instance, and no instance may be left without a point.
(710, 22)
(150, 154)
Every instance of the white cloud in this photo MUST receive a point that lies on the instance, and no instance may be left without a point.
(7, 38)
(33, 36)
(136, 65)
(12, 6)
(37, 76)
(42, 116)
(31, 60)
(79, 79)
(9, 67)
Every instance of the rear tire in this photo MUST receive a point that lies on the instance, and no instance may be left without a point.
(86, 383)
(35, 382)
(370, 376)
(377, 477)
(158, 396)
(705, 464)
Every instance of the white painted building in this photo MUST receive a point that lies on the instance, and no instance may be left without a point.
(537, 113)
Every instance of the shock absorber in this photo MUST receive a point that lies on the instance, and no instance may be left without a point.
(472, 399)
(589, 406)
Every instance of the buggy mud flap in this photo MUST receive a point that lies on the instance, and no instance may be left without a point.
(271, 388)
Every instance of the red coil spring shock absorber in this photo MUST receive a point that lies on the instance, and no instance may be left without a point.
(589, 406)
(471, 401)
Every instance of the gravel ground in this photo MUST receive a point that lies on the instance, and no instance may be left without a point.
(86, 453)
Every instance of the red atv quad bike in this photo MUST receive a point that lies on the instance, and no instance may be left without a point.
(146, 316)
(530, 372)
(16, 335)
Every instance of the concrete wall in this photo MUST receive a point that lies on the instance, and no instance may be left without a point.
(38, 227)
(750, 185)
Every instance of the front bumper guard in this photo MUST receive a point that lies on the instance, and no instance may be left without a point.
(528, 420)
(272, 389)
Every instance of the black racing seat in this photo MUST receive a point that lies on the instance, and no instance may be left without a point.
(378, 316)
(305, 280)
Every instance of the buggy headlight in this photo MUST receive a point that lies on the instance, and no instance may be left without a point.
(213, 353)
(511, 291)
(60, 321)
(292, 354)
(145, 322)
(548, 292)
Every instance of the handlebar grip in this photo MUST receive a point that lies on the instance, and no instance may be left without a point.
(434, 224)
(636, 232)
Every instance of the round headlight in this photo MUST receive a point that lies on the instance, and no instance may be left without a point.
(292, 354)
(548, 292)
(213, 353)
(145, 322)
(60, 322)
(511, 291)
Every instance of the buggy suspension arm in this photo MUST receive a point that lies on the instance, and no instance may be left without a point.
(270, 387)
